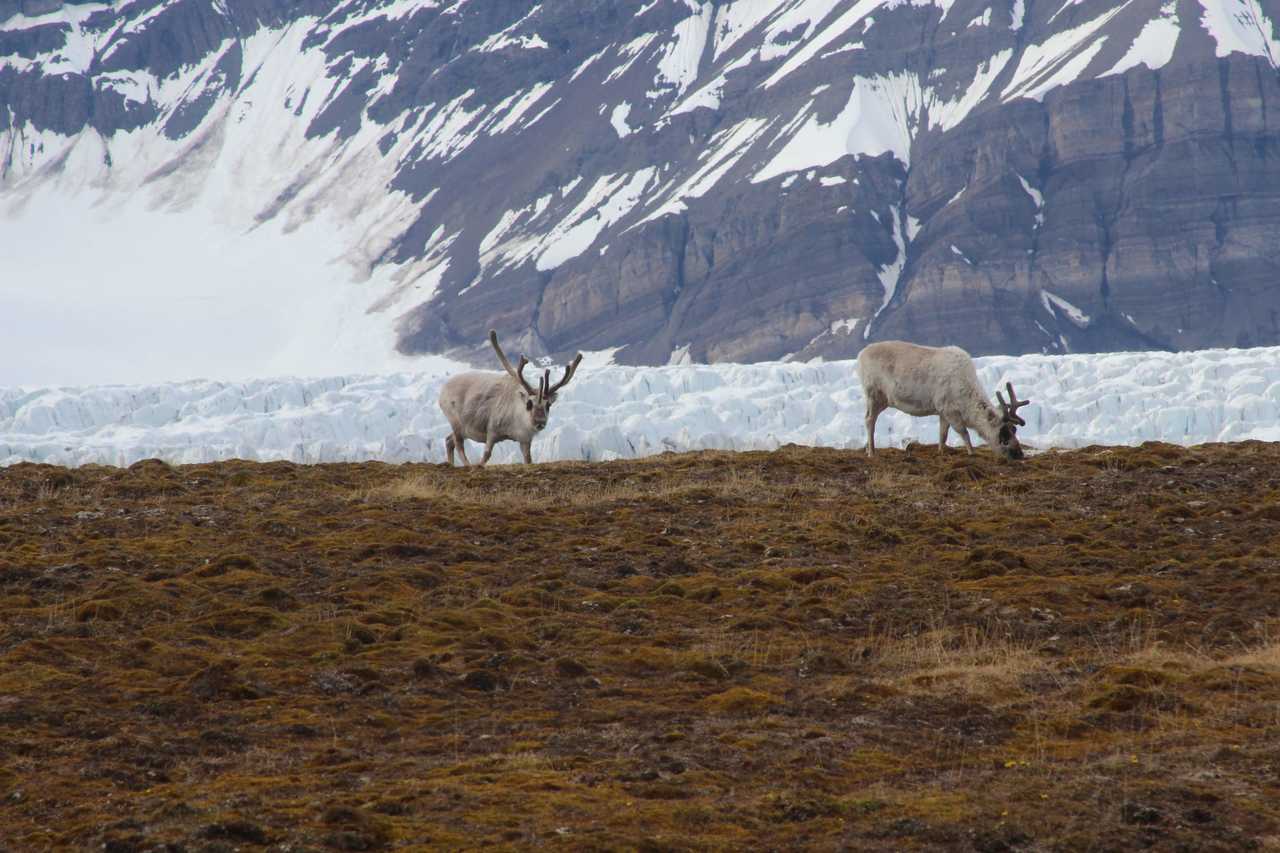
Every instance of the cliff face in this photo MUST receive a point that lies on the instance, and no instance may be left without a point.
(715, 181)
(1155, 189)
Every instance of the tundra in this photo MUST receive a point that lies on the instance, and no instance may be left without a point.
(940, 381)
(494, 407)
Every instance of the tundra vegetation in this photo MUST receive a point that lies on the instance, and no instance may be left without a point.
(712, 650)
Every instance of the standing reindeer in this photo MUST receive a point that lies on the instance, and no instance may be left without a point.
(942, 381)
(491, 407)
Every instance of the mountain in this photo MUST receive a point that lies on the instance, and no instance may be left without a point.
(669, 180)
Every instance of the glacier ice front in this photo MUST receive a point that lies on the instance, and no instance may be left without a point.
(615, 412)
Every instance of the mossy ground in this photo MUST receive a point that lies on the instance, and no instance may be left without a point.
(705, 651)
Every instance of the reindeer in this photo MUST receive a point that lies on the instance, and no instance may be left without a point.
(491, 407)
(942, 381)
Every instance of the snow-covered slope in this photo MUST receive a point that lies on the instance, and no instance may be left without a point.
(302, 187)
(152, 296)
(611, 412)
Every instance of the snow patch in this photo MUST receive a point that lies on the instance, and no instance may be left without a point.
(1066, 4)
(707, 96)
(1058, 60)
(630, 52)
(506, 38)
(812, 47)
(281, 278)
(618, 118)
(261, 302)
(1154, 45)
(1052, 301)
(724, 150)
(678, 64)
(948, 114)
(1240, 26)
(502, 41)
(597, 359)
(132, 85)
(877, 118)
(608, 200)
(587, 63)
(903, 234)
(447, 131)
(1036, 197)
(511, 109)
(1018, 14)
(944, 5)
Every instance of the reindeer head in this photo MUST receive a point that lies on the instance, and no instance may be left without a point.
(1009, 422)
(537, 404)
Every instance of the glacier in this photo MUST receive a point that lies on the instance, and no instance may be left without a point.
(610, 412)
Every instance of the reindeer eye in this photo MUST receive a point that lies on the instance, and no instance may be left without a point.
(528, 404)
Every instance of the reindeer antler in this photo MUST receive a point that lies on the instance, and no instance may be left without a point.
(1010, 409)
(517, 375)
(569, 370)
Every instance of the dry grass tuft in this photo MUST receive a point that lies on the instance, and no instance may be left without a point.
(1264, 657)
(741, 701)
(968, 660)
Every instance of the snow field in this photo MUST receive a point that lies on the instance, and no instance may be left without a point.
(615, 412)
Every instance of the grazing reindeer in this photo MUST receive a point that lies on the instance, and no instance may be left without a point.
(942, 381)
(490, 407)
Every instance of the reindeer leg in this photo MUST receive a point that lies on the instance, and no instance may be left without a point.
(461, 443)
(448, 448)
(943, 429)
(488, 451)
(968, 445)
(874, 408)
(526, 449)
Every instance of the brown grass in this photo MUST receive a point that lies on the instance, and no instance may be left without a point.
(531, 492)
(968, 661)
(800, 649)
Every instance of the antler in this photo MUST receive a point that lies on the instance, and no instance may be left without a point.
(543, 384)
(517, 375)
(1010, 409)
(569, 370)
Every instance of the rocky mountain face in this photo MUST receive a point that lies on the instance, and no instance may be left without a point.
(726, 180)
